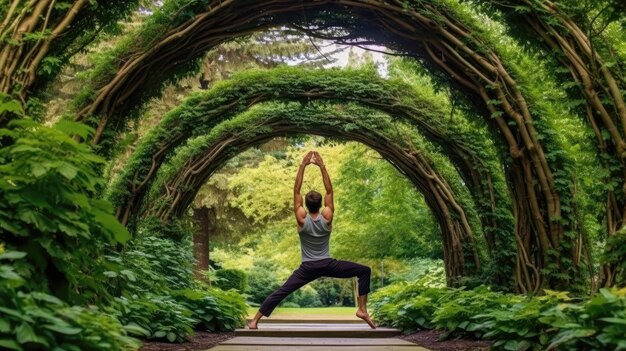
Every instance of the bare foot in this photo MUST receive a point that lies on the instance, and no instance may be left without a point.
(252, 324)
(366, 317)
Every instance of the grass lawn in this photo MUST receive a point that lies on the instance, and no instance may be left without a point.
(309, 312)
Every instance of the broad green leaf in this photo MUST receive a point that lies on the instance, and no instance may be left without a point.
(63, 329)
(171, 337)
(10, 344)
(25, 334)
(67, 170)
(5, 326)
(12, 255)
(11, 106)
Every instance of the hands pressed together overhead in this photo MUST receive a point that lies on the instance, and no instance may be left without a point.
(313, 157)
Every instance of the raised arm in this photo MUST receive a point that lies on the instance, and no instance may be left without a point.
(298, 208)
(329, 205)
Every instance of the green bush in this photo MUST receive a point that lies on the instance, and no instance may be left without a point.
(408, 306)
(419, 268)
(330, 292)
(214, 309)
(232, 279)
(595, 324)
(456, 311)
(517, 324)
(513, 322)
(151, 264)
(38, 321)
(173, 317)
(262, 280)
(161, 317)
(154, 277)
(306, 296)
(48, 209)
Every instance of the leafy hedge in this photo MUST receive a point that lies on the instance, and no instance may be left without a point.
(53, 237)
(513, 322)
(232, 279)
(158, 292)
(48, 208)
(36, 320)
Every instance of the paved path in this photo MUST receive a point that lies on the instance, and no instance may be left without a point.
(289, 335)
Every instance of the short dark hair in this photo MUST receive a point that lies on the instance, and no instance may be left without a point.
(313, 201)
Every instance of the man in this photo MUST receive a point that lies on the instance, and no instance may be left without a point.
(314, 229)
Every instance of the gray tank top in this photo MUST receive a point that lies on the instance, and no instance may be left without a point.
(314, 238)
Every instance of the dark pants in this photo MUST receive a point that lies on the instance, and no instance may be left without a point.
(311, 270)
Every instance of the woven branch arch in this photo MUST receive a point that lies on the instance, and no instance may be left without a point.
(182, 176)
(200, 113)
(432, 31)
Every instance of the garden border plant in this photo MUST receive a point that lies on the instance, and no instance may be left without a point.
(514, 322)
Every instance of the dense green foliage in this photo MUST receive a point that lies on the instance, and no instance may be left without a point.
(514, 322)
(615, 254)
(511, 141)
(352, 118)
(381, 216)
(158, 293)
(48, 210)
(202, 111)
(36, 320)
(55, 234)
(232, 279)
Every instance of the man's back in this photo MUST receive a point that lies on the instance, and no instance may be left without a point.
(314, 238)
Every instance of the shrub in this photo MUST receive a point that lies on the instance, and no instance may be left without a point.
(48, 209)
(596, 324)
(262, 280)
(215, 309)
(35, 320)
(456, 313)
(407, 306)
(516, 325)
(306, 296)
(425, 269)
(161, 317)
(331, 292)
(232, 279)
(151, 264)
(154, 276)
(513, 322)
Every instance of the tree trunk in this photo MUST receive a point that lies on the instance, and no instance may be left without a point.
(205, 218)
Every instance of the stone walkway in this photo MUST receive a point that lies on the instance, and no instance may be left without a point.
(318, 335)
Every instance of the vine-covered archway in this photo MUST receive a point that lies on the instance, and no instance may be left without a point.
(180, 179)
(539, 77)
(202, 112)
(445, 37)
